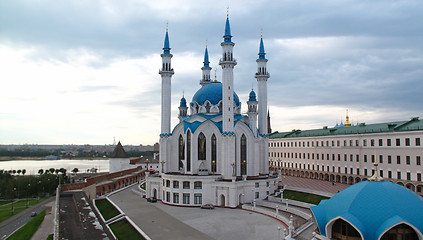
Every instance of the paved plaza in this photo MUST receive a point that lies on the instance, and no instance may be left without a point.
(160, 221)
(307, 183)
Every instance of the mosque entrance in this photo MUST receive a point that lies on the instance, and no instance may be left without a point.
(222, 200)
(154, 193)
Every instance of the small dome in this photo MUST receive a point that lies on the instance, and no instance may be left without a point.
(183, 102)
(213, 93)
(252, 97)
(373, 207)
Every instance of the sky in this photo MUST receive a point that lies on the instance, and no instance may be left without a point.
(86, 72)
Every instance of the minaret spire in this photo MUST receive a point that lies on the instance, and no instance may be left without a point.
(206, 68)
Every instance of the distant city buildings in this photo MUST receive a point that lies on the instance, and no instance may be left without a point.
(346, 153)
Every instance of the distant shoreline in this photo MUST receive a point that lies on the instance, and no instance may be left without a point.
(15, 158)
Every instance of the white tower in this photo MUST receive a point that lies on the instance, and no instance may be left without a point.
(262, 75)
(166, 72)
(228, 63)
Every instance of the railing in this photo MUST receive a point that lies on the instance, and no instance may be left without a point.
(284, 208)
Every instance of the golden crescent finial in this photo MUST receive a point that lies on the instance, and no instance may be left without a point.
(215, 75)
(227, 11)
(167, 26)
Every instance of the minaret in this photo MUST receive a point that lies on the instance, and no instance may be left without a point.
(252, 111)
(262, 75)
(269, 128)
(166, 72)
(228, 164)
(347, 121)
(183, 109)
(228, 63)
(206, 69)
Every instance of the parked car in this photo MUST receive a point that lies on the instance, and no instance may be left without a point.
(207, 206)
(33, 214)
(152, 199)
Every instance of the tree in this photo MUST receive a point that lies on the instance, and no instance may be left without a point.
(14, 171)
(41, 171)
(23, 171)
(57, 171)
(62, 171)
(51, 170)
(19, 171)
(75, 170)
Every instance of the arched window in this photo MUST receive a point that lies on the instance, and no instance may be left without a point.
(214, 154)
(243, 155)
(401, 231)
(343, 230)
(181, 151)
(201, 147)
(188, 151)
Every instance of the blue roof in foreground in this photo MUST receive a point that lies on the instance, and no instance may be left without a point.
(372, 207)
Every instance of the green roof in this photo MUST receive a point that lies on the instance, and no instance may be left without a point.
(401, 126)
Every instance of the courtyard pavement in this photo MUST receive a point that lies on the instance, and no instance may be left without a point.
(307, 183)
(161, 221)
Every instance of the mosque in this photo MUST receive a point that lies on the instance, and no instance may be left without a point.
(214, 155)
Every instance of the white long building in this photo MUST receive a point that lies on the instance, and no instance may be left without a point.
(346, 153)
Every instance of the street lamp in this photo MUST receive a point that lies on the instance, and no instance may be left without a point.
(244, 167)
(147, 161)
(233, 169)
(13, 200)
(213, 167)
(163, 162)
(27, 199)
(279, 233)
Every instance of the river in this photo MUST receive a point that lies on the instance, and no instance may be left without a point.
(32, 166)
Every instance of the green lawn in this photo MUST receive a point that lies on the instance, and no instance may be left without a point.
(124, 230)
(19, 206)
(106, 208)
(26, 232)
(50, 237)
(3, 202)
(303, 197)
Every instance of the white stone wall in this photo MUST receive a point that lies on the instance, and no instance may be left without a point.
(234, 192)
(119, 164)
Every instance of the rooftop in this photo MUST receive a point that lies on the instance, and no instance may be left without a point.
(413, 124)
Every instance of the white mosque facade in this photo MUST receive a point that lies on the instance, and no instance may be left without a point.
(214, 155)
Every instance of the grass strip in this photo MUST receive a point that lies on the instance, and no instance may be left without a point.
(106, 209)
(19, 206)
(28, 230)
(124, 230)
(303, 197)
(50, 237)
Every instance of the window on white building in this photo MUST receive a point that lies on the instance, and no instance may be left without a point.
(198, 198)
(175, 197)
(185, 198)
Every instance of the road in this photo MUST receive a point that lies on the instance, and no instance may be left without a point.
(13, 223)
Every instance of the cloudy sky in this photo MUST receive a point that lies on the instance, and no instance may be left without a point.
(84, 72)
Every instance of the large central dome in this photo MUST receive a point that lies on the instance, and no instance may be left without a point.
(211, 92)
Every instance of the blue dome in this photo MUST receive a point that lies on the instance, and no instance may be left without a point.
(213, 93)
(372, 207)
(252, 97)
(183, 102)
